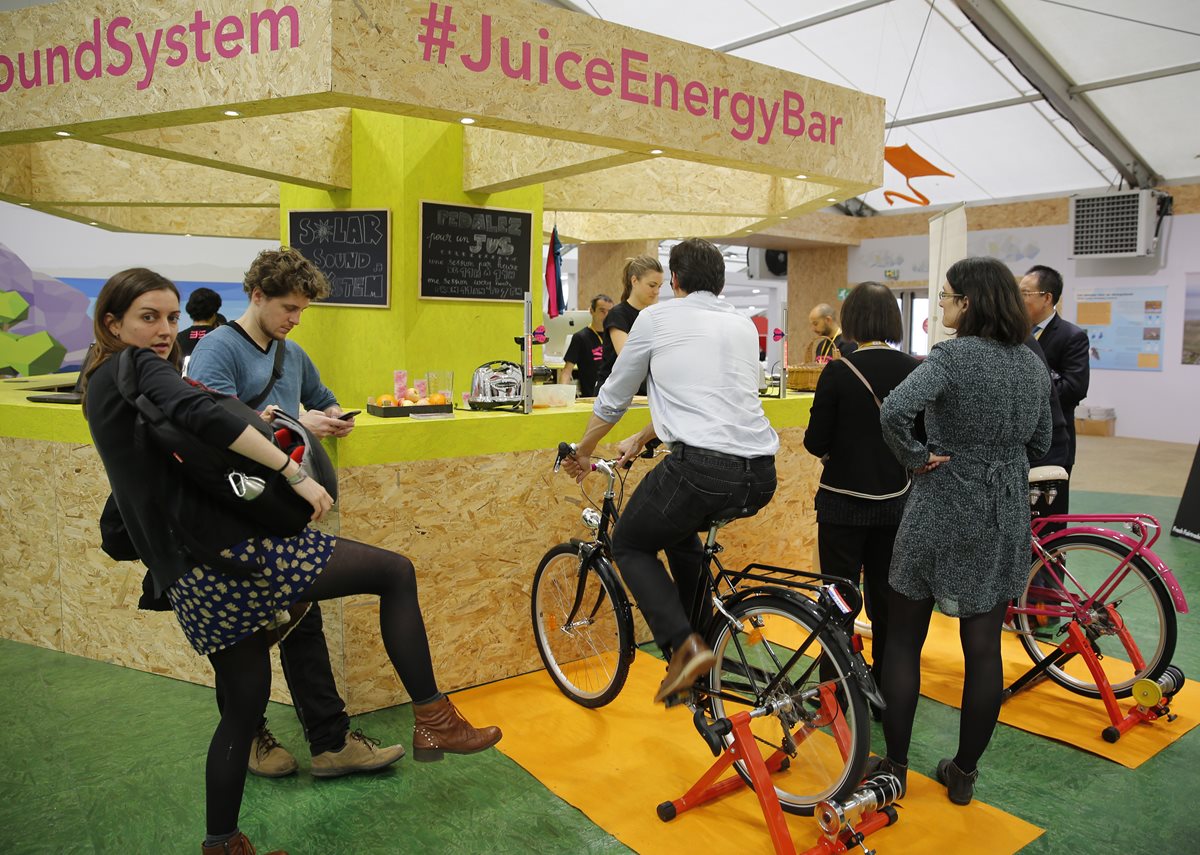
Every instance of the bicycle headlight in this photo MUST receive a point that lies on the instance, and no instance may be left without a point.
(591, 518)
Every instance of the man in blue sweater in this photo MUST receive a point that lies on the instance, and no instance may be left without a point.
(239, 359)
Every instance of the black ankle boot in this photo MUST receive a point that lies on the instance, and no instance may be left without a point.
(959, 784)
(875, 765)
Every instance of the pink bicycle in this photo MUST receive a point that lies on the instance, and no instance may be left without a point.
(1095, 593)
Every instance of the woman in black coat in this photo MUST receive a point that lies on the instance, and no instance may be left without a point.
(233, 584)
(863, 487)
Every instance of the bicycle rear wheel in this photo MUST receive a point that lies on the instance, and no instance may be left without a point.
(824, 741)
(1140, 603)
(583, 625)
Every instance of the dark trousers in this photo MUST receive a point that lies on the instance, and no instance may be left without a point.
(672, 503)
(309, 675)
(853, 551)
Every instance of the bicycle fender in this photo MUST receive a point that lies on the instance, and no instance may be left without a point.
(858, 665)
(609, 574)
(1159, 566)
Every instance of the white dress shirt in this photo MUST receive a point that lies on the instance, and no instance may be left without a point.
(701, 358)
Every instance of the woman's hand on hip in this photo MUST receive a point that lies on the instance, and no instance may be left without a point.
(935, 460)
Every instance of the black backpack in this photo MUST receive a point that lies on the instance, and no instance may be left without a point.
(246, 488)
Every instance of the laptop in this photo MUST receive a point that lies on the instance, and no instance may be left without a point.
(75, 395)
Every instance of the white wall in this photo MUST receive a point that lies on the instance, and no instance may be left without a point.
(1162, 405)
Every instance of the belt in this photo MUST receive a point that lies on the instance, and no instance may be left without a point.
(686, 451)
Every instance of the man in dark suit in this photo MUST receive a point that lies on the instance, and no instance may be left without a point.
(822, 323)
(1064, 344)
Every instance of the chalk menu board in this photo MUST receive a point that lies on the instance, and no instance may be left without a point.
(474, 253)
(351, 247)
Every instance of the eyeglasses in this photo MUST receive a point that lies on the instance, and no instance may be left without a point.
(946, 295)
(1033, 293)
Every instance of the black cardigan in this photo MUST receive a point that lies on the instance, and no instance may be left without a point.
(844, 424)
(172, 526)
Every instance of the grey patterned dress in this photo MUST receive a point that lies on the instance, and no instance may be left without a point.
(964, 538)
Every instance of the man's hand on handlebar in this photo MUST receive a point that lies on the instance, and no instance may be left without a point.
(629, 448)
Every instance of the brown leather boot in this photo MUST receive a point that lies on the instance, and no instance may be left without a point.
(236, 845)
(439, 727)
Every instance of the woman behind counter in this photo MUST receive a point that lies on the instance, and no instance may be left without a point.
(227, 597)
(863, 487)
(964, 540)
(641, 279)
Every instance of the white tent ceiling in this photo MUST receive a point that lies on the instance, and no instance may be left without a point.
(1002, 140)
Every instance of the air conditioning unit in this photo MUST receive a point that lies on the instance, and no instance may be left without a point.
(766, 263)
(1115, 225)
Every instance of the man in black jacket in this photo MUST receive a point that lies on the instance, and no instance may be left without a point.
(1064, 344)
(823, 324)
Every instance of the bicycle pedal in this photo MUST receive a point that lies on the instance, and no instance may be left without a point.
(677, 699)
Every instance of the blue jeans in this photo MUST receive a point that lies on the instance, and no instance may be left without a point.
(674, 501)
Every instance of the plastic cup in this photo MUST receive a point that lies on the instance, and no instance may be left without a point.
(441, 382)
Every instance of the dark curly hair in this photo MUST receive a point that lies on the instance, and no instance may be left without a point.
(283, 271)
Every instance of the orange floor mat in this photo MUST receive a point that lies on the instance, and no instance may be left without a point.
(1048, 709)
(616, 764)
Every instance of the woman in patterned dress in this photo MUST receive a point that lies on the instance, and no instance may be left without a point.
(964, 540)
(230, 587)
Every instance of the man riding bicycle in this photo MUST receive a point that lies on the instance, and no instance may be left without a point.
(699, 359)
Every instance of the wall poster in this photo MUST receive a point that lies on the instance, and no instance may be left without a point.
(1124, 326)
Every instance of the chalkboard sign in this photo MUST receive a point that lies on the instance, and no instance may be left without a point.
(474, 253)
(351, 247)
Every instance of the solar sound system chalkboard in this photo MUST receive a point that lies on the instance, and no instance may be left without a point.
(352, 248)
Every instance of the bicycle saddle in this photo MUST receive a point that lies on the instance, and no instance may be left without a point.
(1038, 474)
(726, 516)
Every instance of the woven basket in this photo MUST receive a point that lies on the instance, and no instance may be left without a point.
(803, 377)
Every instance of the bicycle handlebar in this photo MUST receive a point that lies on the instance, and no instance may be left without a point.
(567, 449)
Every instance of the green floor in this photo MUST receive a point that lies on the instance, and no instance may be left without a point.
(98, 758)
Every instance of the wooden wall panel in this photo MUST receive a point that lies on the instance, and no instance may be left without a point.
(601, 265)
(814, 276)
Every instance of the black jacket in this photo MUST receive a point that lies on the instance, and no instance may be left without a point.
(1066, 349)
(171, 526)
(844, 424)
(1060, 441)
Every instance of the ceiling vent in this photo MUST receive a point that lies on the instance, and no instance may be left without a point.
(766, 263)
(1115, 225)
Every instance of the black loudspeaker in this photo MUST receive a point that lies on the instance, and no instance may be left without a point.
(776, 260)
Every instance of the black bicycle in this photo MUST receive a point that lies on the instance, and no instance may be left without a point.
(777, 634)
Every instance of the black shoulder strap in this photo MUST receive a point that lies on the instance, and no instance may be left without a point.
(276, 373)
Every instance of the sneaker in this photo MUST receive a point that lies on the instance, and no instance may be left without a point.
(361, 753)
(269, 759)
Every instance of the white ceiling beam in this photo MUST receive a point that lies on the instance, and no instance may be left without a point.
(965, 111)
(831, 15)
(1135, 78)
(1028, 57)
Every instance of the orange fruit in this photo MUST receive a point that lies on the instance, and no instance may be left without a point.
(385, 401)
(437, 398)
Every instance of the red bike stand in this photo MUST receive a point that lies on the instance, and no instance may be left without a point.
(1077, 644)
(744, 748)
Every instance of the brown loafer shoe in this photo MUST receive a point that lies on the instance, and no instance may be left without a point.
(691, 660)
(361, 753)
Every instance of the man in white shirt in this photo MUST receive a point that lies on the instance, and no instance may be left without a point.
(700, 360)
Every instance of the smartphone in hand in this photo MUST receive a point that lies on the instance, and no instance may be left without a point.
(347, 416)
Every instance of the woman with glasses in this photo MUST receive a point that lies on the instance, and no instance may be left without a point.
(964, 539)
(863, 487)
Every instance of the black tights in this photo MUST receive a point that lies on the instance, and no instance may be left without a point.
(245, 668)
(982, 686)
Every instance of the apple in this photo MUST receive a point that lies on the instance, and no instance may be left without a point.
(412, 395)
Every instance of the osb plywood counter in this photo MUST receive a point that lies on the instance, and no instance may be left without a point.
(471, 500)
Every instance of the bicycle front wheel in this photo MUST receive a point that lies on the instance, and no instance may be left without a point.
(583, 625)
(821, 745)
(1134, 620)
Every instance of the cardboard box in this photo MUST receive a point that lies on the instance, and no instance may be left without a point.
(1096, 427)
